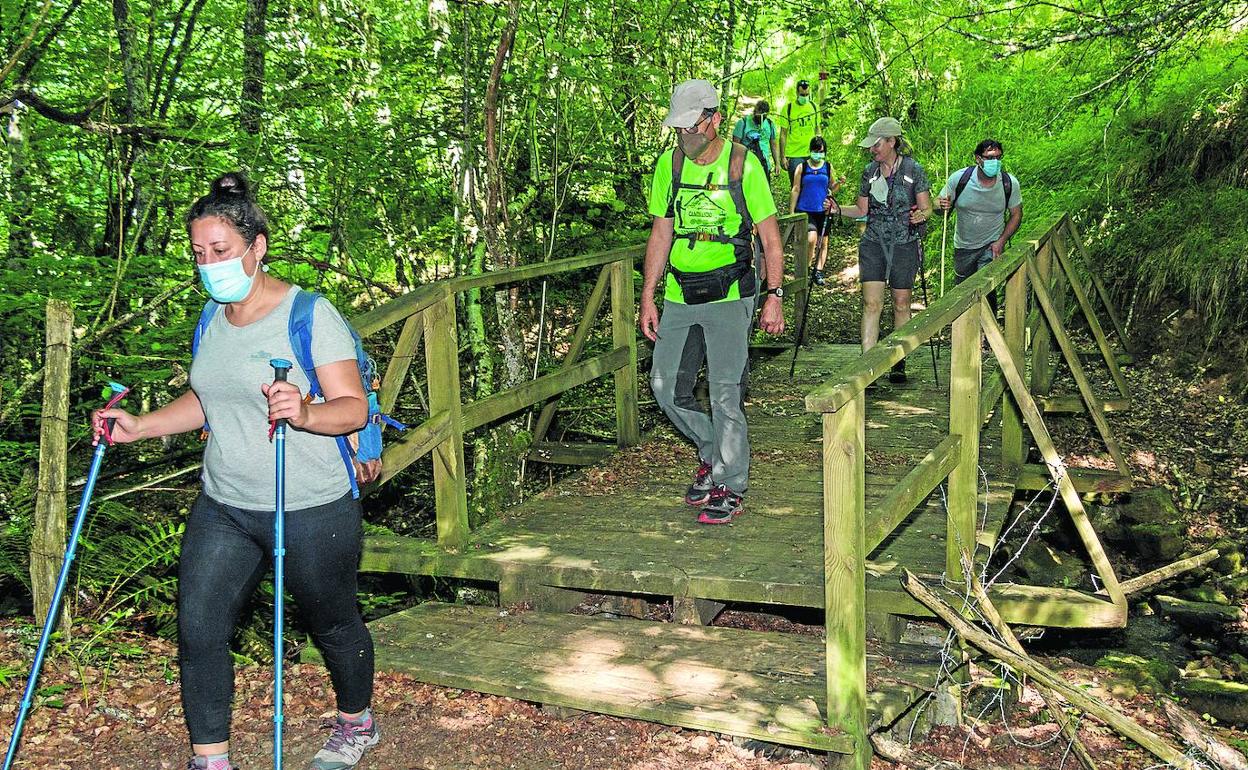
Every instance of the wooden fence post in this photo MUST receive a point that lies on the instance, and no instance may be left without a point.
(844, 573)
(47, 537)
(624, 335)
(1013, 439)
(1042, 343)
(442, 363)
(964, 385)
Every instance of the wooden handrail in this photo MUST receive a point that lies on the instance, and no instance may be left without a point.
(877, 361)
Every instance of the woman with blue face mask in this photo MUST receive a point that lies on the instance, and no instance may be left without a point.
(228, 543)
(814, 180)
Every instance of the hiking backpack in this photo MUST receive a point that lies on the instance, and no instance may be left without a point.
(1006, 185)
(742, 242)
(366, 446)
(752, 138)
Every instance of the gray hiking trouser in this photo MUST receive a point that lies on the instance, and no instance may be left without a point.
(717, 332)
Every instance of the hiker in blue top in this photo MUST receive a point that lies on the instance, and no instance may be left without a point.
(989, 206)
(813, 181)
(229, 534)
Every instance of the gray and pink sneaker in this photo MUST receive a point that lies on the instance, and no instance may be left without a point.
(347, 743)
(700, 490)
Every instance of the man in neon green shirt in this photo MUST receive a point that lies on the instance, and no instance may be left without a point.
(799, 123)
(707, 198)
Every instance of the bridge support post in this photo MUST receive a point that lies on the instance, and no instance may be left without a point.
(1013, 439)
(624, 335)
(442, 362)
(964, 385)
(844, 573)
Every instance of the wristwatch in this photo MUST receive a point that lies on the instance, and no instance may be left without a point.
(778, 291)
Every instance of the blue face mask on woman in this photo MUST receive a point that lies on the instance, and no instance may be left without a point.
(992, 167)
(227, 281)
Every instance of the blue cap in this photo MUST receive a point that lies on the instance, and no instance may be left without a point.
(117, 387)
(280, 363)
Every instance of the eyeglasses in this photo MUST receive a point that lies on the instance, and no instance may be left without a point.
(696, 127)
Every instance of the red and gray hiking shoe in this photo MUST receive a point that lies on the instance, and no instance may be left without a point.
(722, 508)
(347, 744)
(700, 490)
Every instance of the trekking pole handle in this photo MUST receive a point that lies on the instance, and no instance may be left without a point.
(281, 367)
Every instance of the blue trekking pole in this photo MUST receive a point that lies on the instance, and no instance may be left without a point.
(280, 367)
(49, 624)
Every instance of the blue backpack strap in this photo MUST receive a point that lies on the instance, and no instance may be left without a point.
(201, 326)
(300, 329)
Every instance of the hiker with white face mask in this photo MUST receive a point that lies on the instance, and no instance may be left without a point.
(895, 196)
(989, 206)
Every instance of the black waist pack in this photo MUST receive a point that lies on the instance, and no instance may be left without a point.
(710, 286)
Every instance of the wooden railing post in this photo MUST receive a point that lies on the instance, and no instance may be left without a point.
(47, 538)
(1013, 439)
(964, 421)
(1042, 346)
(844, 573)
(624, 335)
(442, 363)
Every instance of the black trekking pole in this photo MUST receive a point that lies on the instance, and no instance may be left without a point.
(801, 324)
(931, 341)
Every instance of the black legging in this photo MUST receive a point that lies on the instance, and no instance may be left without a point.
(225, 552)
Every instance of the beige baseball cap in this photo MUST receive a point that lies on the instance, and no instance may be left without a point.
(688, 100)
(880, 129)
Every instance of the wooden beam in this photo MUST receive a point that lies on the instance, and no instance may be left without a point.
(1013, 441)
(844, 573)
(1082, 248)
(965, 369)
(1073, 404)
(399, 308)
(400, 361)
(624, 335)
(1033, 477)
(1053, 313)
(1042, 338)
(627, 254)
(47, 537)
(570, 452)
(442, 365)
(1094, 324)
(1057, 466)
(415, 443)
(586, 324)
(527, 394)
(912, 490)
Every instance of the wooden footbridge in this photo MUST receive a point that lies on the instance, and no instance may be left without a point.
(852, 481)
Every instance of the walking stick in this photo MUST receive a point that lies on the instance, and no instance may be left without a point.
(280, 368)
(801, 324)
(931, 341)
(944, 230)
(49, 624)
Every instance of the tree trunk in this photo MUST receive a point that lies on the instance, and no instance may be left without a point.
(251, 107)
(47, 538)
(20, 201)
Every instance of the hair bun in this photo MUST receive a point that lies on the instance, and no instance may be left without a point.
(232, 183)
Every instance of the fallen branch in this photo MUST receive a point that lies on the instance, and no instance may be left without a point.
(1124, 725)
(1190, 729)
(1149, 579)
(900, 754)
(1064, 721)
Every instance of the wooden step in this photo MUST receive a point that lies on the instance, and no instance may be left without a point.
(766, 686)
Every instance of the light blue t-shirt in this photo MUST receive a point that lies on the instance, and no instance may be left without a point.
(981, 210)
(746, 129)
(239, 461)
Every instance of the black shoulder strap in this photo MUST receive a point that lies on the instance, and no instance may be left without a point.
(1008, 186)
(678, 166)
(736, 171)
(962, 183)
(788, 114)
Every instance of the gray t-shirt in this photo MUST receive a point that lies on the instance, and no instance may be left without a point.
(980, 209)
(226, 374)
(889, 200)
